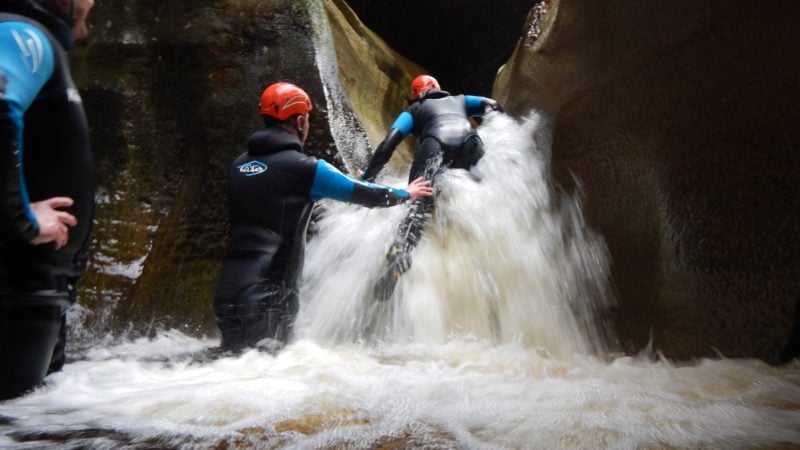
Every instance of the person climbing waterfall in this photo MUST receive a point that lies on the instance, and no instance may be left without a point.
(47, 188)
(272, 189)
(446, 139)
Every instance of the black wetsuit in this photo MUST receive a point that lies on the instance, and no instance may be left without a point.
(272, 189)
(440, 123)
(44, 152)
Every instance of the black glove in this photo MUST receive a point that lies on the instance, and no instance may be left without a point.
(492, 105)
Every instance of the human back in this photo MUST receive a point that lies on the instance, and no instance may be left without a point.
(442, 116)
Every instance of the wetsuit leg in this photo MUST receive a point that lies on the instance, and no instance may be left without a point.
(32, 334)
(470, 152)
(262, 316)
(59, 357)
(427, 164)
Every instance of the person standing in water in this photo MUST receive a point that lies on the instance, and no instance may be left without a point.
(272, 189)
(46, 187)
(446, 139)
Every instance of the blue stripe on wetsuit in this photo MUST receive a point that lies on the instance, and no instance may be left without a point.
(329, 182)
(474, 103)
(27, 62)
(404, 123)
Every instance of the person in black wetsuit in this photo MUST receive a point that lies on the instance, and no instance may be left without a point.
(272, 189)
(446, 139)
(46, 187)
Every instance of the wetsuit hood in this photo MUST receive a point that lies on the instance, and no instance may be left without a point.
(432, 93)
(273, 139)
(59, 24)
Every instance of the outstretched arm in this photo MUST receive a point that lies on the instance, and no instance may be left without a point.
(401, 127)
(329, 182)
(419, 188)
(478, 106)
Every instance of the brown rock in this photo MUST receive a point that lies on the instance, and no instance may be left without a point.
(680, 121)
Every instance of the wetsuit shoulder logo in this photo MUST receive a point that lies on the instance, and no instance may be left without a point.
(31, 49)
(252, 168)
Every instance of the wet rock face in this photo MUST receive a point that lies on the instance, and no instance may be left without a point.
(680, 123)
(171, 92)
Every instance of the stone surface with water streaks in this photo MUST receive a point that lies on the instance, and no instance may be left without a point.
(171, 92)
(680, 123)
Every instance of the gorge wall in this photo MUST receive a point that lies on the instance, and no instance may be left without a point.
(679, 124)
(171, 91)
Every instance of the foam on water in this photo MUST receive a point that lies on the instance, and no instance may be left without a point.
(459, 394)
(499, 260)
(488, 344)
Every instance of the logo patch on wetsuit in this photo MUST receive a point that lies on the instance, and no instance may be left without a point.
(31, 49)
(252, 168)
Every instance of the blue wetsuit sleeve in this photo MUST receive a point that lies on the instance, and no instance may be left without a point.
(401, 128)
(475, 105)
(329, 182)
(27, 61)
(404, 123)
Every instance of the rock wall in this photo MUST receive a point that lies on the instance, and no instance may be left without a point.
(373, 76)
(679, 123)
(171, 92)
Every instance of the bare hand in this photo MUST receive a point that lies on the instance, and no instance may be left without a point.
(419, 188)
(52, 222)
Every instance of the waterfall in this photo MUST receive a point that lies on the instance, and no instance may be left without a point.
(350, 139)
(501, 260)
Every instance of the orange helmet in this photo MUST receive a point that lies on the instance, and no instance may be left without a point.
(421, 84)
(284, 100)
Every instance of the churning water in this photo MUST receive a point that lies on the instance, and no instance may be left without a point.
(491, 342)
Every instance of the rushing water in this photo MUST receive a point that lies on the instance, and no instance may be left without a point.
(489, 343)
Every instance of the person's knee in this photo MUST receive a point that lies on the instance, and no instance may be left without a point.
(31, 334)
(260, 312)
(470, 153)
(230, 327)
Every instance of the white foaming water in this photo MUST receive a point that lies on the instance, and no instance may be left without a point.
(488, 344)
(498, 261)
(460, 394)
